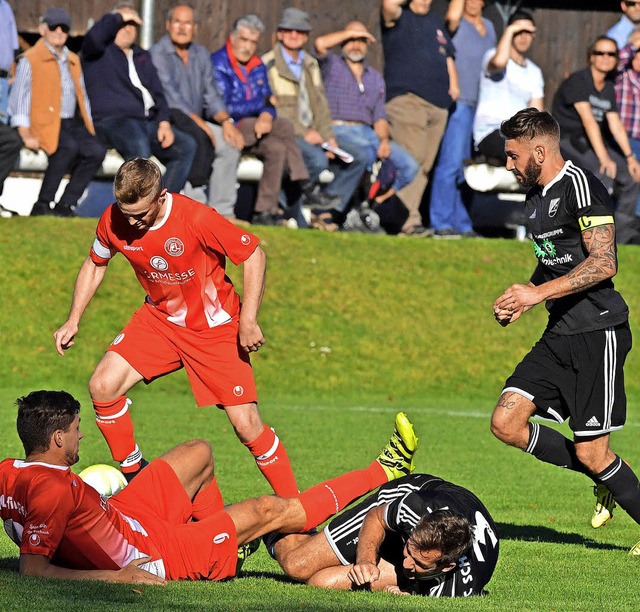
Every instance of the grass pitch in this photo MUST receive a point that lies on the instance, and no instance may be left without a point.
(357, 327)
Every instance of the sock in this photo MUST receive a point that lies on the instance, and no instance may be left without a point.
(620, 479)
(329, 497)
(207, 501)
(272, 460)
(114, 421)
(551, 446)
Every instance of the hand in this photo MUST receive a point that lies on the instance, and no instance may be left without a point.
(64, 337)
(608, 168)
(232, 135)
(364, 573)
(384, 149)
(454, 92)
(31, 142)
(263, 125)
(129, 14)
(514, 301)
(634, 168)
(165, 134)
(395, 590)
(132, 573)
(349, 34)
(634, 39)
(251, 336)
(522, 25)
(315, 138)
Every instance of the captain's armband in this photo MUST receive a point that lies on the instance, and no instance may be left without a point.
(587, 223)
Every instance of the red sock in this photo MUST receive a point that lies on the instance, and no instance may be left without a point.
(272, 460)
(114, 421)
(329, 497)
(207, 501)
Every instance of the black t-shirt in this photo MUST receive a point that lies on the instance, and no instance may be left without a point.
(474, 568)
(579, 87)
(556, 216)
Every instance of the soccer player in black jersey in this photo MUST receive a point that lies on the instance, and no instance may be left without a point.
(418, 535)
(575, 371)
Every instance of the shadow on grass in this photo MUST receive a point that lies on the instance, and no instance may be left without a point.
(537, 533)
(268, 575)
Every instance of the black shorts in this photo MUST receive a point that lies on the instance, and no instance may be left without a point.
(578, 377)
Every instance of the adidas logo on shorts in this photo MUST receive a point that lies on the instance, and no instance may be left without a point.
(593, 422)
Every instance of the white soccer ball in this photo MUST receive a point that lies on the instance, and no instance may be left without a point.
(105, 479)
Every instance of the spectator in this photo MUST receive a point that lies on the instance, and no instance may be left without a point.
(422, 82)
(296, 82)
(8, 48)
(356, 96)
(242, 80)
(10, 145)
(593, 136)
(510, 82)
(630, 21)
(186, 74)
(473, 36)
(45, 99)
(129, 108)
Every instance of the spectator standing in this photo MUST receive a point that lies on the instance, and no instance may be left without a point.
(45, 100)
(10, 145)
(593, 136)
(630, 21)
(422, 82)
(296, 82)
(473, 36)
(8, 47)
(185, 70)
(510, 82)
(130, 110)
(242, 80)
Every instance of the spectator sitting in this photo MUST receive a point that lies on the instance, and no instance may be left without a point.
(473, 36)
(129, 108)
(510, 82)
(296, 82)
(8, 48)
(47, 91)
(630, 21)
(593, 136)
(356, 96)
(243, 83)
(186, 73)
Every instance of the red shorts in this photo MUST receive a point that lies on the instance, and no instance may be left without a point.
(157, 500)
(219, 370)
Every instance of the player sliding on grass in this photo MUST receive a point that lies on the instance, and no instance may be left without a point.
(416, 535)
(191, 316)
(169, 523)
(575, 371)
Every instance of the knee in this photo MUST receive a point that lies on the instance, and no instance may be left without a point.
(503, 429)
(295, 566)
(272, 511)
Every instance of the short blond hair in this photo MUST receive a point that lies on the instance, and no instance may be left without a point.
(136, 179)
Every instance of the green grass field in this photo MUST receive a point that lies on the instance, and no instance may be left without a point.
(358, 327)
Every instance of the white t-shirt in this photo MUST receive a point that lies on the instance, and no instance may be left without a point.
(503, 94)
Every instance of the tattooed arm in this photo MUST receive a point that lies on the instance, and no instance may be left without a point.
(600, 265)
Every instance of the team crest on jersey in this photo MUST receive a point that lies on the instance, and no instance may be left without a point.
(118, 339)
(34, 539)
(238, 390)
(174, 247)
(246, 240)
(159, 263)
(553, 207)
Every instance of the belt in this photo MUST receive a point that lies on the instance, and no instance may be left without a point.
(340, 122)
(4, 74)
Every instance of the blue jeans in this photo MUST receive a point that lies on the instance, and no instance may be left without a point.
(138, 138)
(365, 137)
(4, 100)
(347, 176)
(447, 209)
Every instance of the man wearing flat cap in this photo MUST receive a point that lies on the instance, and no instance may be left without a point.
(296, 82)
(50, 108)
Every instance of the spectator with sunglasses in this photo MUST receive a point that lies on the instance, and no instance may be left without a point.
(129, 106)
(594, 137)
(630, 20)
(49, 106)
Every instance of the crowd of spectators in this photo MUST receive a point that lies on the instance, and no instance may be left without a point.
(311, 106)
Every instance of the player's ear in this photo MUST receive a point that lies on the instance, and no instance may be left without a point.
(56, 438)
(539, 153)
(448, 568)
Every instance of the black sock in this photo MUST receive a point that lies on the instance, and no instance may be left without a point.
(551, 446)
(620, 479)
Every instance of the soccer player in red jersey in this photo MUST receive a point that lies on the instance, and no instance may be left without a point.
(170, 522)
(191, 316)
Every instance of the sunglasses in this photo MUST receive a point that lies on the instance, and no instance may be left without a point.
(63, 26)
(631, 2)
(292, 31)
(607, 53)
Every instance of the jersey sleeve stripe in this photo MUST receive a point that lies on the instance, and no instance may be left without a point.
(102, 252)
(581, 186)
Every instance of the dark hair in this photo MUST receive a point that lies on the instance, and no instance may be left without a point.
(445, 531)
(136, 179)
(530, 123)
(521, 15)
(40, 414)
(592, 46)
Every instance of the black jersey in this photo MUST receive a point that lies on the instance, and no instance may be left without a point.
(556, 217)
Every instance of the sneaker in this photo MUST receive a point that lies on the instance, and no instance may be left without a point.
(635, 550)
(131, 475)
(245, 551)
(41, 208)
(396, 458)
(64, 210)
(268, 218)
(417, 231)
(604, 508)
(323, 220)
(447, 234)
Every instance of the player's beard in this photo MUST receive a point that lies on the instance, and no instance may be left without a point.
(529, 178)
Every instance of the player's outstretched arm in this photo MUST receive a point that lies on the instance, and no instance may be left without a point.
(365, 570)
(89, 278)
(40, 566)
(254, 275)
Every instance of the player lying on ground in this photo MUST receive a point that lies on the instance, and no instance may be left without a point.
(416, 535)
(169, 523)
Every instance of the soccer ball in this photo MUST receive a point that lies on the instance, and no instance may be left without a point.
(105, 479)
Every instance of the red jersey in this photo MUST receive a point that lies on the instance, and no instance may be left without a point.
(180, 262)
(48, 510)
